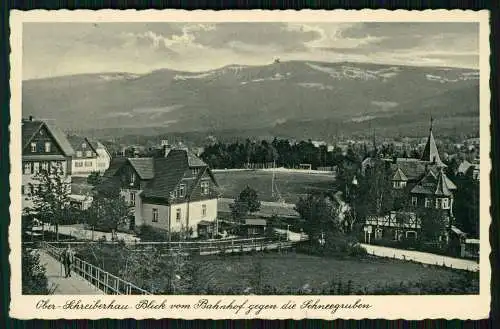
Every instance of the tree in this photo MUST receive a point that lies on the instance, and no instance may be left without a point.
(34, 281)
(51, 203)
(246, 202)
(433, 223)
(466, 204)
(321, 213)
(94, 178)
(108, 211)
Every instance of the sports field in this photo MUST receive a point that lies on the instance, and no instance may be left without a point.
(291, 185)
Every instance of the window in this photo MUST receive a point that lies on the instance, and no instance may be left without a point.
(88, 163)
(203, 210)
(30, 189)
(446, 203)
(27, 168)
(89, 154)
(45, 165)
(178, 215)
(195, 171)
(204, 188)
(22, 189)
(79, 164)
(78, 154)
(84, 145)
(47, 147)
(132, 198)
(427, 203)
(36, 167)
(33, 147)
(182, 189)
(155, 215)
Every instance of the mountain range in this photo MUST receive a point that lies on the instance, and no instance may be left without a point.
(296, 99)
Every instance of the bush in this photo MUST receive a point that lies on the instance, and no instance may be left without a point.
(150, 234)
(34, 281)
(336, 245)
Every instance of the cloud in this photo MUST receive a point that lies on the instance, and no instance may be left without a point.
(52, 49)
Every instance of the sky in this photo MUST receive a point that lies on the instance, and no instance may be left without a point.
(56, 49)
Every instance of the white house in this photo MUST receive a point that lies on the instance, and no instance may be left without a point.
(172, 193)
(103, 156)
(84, 160)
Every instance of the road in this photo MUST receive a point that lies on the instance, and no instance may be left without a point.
(74, 285)
(422, 257)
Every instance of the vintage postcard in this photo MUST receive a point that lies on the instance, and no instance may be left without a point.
(250, 164)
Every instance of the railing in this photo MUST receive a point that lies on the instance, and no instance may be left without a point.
(210, 247)
(108, 283)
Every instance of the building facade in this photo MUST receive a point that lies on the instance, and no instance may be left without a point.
(423, 184)
(174, 193)
(103, 156)
(84, 159)
(44, 148)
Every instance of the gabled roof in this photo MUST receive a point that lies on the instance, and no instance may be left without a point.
(434, 184)
(31, 127)
(168, 172)
(463, 167)
(194, 161)
(76, 142)
(399, 175)
(143, 167)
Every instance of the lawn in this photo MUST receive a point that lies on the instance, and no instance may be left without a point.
(295, 270)
(290, 185)
(288, 273)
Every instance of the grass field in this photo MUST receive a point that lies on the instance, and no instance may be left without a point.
(290, 185)
(292, 270)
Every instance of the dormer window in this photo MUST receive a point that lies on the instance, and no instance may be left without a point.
(204, 187)
(33, 147)
(84, 145)
(195, 171)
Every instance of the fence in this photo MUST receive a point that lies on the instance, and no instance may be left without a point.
(210, 247)
(108, 283)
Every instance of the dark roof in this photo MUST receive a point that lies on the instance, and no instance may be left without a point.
(114, 166)
(30, 128)
(431, 153)
(413, 169)
(143, 167)
(61, 139)
(434, 184)
(168, 172)
(76, 142)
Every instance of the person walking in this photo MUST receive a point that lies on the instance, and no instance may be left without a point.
(68, 258)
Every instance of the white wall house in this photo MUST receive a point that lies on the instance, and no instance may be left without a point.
(45, 147)
(103, 157)
(84, 159)
(173, 193)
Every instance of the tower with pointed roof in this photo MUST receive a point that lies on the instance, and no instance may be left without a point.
(431, 153)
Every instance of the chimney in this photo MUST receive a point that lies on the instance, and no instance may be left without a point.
(30, 118)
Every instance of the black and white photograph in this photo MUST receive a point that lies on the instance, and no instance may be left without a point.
(249, 158)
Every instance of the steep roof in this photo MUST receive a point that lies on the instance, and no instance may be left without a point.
(76, 142)
(168, 172)
(31, 127)
(434, 184)
(463, 167)
(431, 153)
(399, 175)
(143, 166)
